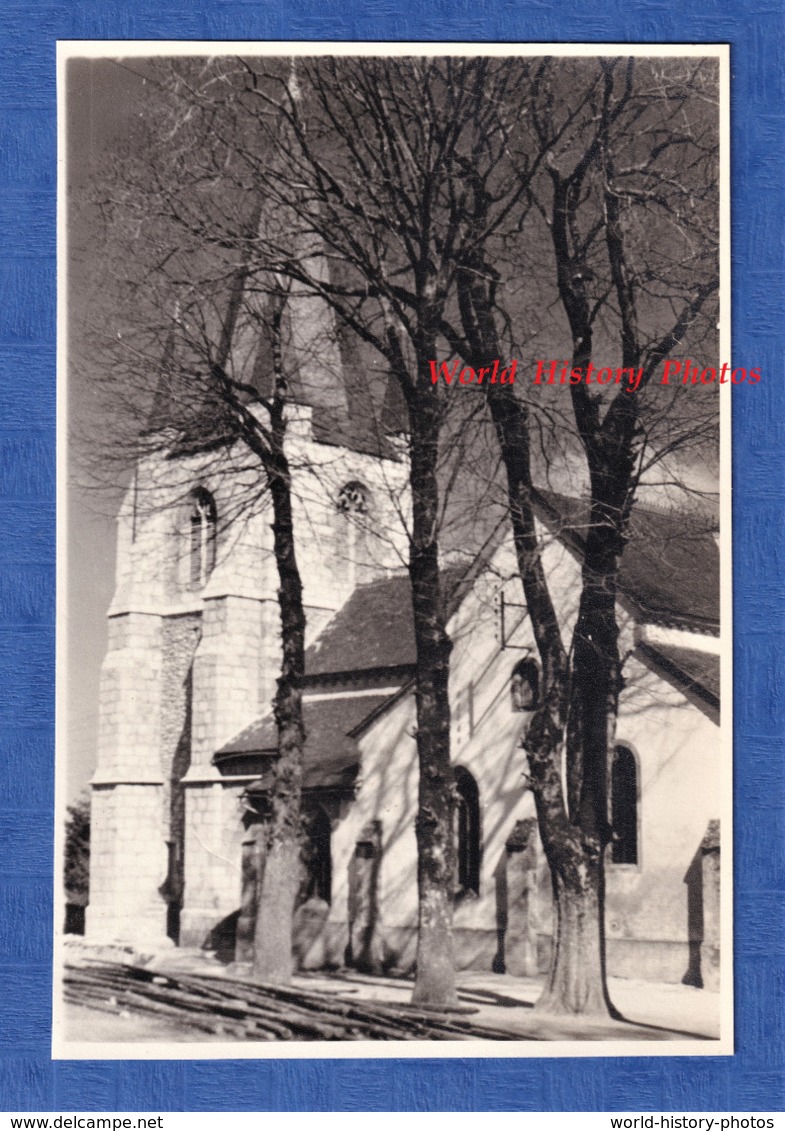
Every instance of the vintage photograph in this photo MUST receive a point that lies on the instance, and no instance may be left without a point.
(395, 551)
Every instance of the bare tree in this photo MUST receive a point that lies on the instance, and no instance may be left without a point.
(183, 383)
(379, 169)
(377, 177)
(629, 202)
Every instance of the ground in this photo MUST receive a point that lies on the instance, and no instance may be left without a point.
(499, 1003)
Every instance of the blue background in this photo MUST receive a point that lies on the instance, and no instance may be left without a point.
(29, 1080)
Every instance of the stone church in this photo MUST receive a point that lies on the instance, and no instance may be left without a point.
(187, 742)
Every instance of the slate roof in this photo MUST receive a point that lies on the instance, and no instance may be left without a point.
(331, 757)
(692, 671)
(670, 566)
(375, 628)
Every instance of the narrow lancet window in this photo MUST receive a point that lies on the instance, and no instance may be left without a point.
(202, 521)
(468, 843)
(624, 807)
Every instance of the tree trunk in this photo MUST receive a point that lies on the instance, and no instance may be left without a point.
(576, 979)
(573, 839)
(435, 980)
(281, 873)
(272, 961)
(281, 838)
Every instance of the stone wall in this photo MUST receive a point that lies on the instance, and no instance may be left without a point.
(213, 858)
(128, 864)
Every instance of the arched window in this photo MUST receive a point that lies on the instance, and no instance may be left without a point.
(468, 844)
(350, 549)
(525, 685)
(202, 533)
(624, 807)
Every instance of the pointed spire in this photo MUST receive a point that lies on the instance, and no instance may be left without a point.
(162, 409)
(395, 415)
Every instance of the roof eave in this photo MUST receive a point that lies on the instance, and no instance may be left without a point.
(685, 682)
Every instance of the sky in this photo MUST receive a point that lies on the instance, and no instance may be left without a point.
(101, 103)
